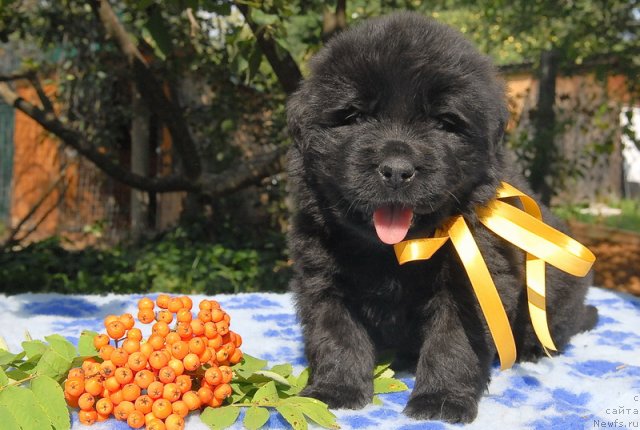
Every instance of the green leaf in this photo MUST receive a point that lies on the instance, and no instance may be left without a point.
(24, 407)
(62, 346)
(387, 373)
(6, 357)
(267, 394)
(34, 348)
(4, 379)
(376, 401)
(220, 418)
(7, 419)
(249, 365)
(159, 32)
(315, 409)
(380, 368)
(85, 344)
(53, 364)
(50, 397)
(388, 385)
(282, 369)
(303, 378)
(255, 417)
(293, 416)
(273, 376)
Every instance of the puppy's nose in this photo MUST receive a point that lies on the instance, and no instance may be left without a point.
(396, 172)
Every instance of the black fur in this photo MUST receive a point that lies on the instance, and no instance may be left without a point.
(408, 88)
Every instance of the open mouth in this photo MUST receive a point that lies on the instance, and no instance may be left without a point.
(392, 223)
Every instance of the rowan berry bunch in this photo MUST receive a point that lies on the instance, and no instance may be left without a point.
(182, 366)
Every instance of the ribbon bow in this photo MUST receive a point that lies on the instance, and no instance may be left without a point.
(524, 229)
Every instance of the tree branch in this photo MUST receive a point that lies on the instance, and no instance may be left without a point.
(283, 64)
(152, 91)
(51, 123)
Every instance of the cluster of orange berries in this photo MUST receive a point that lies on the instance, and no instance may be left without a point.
(156, 382)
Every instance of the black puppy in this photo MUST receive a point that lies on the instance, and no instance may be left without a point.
(398, 127)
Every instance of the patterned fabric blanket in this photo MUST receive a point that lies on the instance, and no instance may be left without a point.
(594, 384)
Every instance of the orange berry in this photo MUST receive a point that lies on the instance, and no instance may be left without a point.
(146, 349)
(184, 330)
(156, 424)
(191, 399)
(227, 374)
(122, 410)
(90, 367)
(197, 327)
(123, 375)
(214, 402)
(135, 419)
(213, 375)
(179, 407)
(86, 402)
(210, 330)
(222, 327)
(131, 345)
(184, 382)
(130, 392)
(191, 362)
(145, 303)
(217, 315)
(214, 304)
(176, 365)
(116, 397)
(205, 315)
(187, 303)
(160, 328)
(236, 357)
(171, 392)
(163, 301)
(197, 345)
(119, 357)
(104, 406)
(215, 342)
(87, 417)
(180, 349)
(227, 318)
(155, 389)
(166, 375)
(158, 360)
(164, 316)
(175, 304)
(143, 404)
(72, 401)
(109, 319)
(222, 355)
(137, 361)
(161, 408)
(204, 305)
(100, 340)
(106, 369)
(156, 341)
(206, 355)
(222, 391)
(93, 386)
(238, 340)
(100, 418)
(112, 384)
(174, 422)
(144, 378)
(172, 338)
(127, 320)
(184, 315)
(146, 316)
(205, 394)
(134, 334)
(105, 351)
(74, 386)
(116, 329)
(76, 372)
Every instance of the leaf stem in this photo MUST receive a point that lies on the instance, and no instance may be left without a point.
(20, 382)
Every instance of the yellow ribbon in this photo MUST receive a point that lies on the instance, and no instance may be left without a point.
(526, 230)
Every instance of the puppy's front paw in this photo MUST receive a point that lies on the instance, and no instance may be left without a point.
(339, 396)
(442, 406)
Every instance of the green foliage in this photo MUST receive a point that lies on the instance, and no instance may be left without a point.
(178, 262)
(628, 219)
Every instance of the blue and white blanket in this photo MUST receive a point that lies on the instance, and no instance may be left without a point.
(594, 384)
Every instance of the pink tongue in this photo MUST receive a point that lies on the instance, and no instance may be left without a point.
(392, 223)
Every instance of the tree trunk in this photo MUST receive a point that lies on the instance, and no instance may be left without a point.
(139, 214)
(545, 153)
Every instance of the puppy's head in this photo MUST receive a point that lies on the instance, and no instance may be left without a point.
(399, 125)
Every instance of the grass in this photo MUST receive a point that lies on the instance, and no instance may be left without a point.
(628, 219)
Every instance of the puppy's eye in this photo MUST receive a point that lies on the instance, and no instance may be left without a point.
(349, 116)
(449, 123)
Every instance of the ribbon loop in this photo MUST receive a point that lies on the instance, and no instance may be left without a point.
(526, 230)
